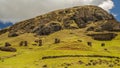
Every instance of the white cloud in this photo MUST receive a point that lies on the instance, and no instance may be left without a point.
(107, 5)
(17, 10)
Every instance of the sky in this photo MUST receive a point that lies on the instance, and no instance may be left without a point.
(3, 25)
(18, 10)
(116, 9)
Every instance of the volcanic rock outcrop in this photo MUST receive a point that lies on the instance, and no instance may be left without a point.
(71, 18)
(103, 36)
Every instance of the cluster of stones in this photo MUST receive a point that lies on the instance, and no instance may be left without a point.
(109, 63)
(90, 44)
(7, 47)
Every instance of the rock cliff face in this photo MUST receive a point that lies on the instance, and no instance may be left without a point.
(71, 18)
(103, 36)
(104, 25)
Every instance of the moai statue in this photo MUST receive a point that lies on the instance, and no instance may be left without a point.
(103, 44)
(57, 40)
(40, 42)
(25, 43)
(21, 43)
(7, 44)
(89, 44)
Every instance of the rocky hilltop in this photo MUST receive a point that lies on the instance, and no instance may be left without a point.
(91, 17)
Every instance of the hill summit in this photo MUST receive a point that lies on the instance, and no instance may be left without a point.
(77, 37)
(93, 18)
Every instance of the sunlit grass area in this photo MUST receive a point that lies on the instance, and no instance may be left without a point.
(72, 42)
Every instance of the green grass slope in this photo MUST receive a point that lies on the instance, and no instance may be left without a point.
(73, 43)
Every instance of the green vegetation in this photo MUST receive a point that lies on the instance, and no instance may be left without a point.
(72, 42)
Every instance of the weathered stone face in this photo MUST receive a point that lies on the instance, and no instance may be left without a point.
(110, 25)
(48, 29)
(103, 36)
(7, 44)
(23, 43)
(88, 14)
(57, 40)
(104, 25)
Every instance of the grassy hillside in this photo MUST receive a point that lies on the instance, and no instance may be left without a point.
(73, 42)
